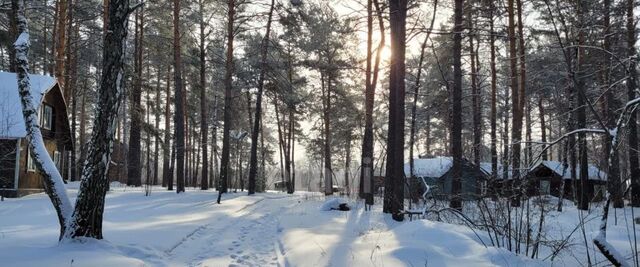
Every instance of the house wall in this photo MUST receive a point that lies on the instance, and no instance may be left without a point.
(441, 186)
(7, 163)
(58, 138)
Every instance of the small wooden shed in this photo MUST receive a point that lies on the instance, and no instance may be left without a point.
(18, 175)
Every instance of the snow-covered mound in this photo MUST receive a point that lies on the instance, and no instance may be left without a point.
(423, 242)
(333, 204)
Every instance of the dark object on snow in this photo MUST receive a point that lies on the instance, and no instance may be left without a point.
(335, 204)
(637, 220)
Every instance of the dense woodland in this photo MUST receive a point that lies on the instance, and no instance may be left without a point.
(238, 94)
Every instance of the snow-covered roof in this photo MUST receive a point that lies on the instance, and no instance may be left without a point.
(557, 167)
(11, 121)
(486, 167)
(431, 167)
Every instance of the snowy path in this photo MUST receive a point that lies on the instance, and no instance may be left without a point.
(248, 239)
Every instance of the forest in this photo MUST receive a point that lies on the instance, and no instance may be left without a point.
(319, 132)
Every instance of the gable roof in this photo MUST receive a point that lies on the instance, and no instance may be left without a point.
(11, 120)
(558, 168)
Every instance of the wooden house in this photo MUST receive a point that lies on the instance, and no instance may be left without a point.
(546, 178)
(437, 174)
(18, 176)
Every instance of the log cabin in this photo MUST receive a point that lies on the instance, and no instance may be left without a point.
(18, 175)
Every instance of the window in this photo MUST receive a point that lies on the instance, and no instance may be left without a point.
(57, 159)
(31, 166)
(46, 117)
(545, 187)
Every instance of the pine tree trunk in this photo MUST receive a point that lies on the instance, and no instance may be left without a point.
(516, 129)
(204, 185)
(87, 216)
(134, 175)
(60, 38)
(13, 33)
(394, 176)
(214, 143)
(456, 119)
(367, 158)
(156, 151)
(582, 190)
(167, 175)
(543, 125)
(494, 95)
(179, 102)
(328, 172)
(228, 78)
(475, 90)
(634, 165)
(253, 161)
(613, 173)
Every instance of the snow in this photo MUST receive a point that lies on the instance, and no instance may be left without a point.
(268, 229)
(431, 167)
(557, 167)
(12, 123)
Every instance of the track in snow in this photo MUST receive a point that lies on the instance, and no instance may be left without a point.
(245, 240)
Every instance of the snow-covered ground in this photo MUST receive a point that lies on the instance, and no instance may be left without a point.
(268, 229)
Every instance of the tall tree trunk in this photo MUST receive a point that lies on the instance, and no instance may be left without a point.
(134, 176)
(13, 33)
(204, 185)
(634, 165)
(494, 94)
(475, 90)
(69, 90)
(367, 158)
(60, 38)
(289, 157)
(51, 178)
(328, 171)
(156, 151)
(179, 102)
(253, 161)
(456, 119)
(87, 216)
(72, 70)
(83, 123)
(167, 175)
(613, 173)
(543, 125)
(228, 98)
(582, 191)
(394, 176)
(516, 129)
(214, 142)
(347, 165)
